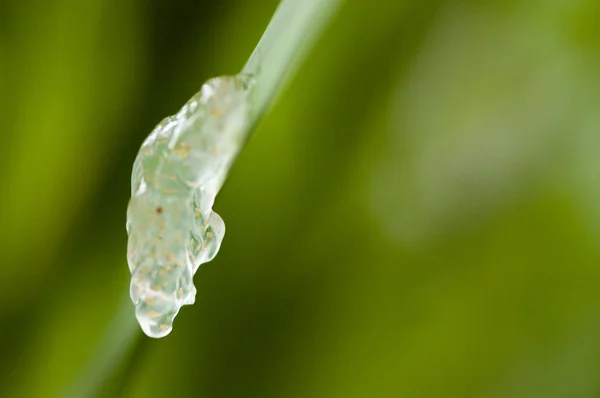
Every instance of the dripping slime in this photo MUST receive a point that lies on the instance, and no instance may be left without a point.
(171, 225)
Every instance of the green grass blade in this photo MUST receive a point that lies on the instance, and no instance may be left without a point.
(292, 31)
(121, 334)
(294, 28)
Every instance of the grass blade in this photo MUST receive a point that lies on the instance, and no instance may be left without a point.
(292, 31)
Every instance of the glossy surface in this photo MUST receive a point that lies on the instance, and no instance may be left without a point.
(176, 176)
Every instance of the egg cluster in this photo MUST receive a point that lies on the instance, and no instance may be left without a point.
(176, 176)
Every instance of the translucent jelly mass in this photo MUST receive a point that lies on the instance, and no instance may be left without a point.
(170, 222)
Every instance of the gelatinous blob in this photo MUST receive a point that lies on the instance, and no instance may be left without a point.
(176, 176)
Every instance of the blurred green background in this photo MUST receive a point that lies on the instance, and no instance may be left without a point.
(417, 216)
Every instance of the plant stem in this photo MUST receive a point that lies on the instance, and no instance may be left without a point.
(289, 36)
(117, 342)
(291, 33)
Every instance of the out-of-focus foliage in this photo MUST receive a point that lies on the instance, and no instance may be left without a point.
(419, 215)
